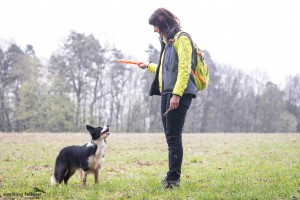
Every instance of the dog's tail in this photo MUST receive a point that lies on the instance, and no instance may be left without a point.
(53, 180)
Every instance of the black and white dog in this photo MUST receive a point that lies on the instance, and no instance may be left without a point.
(88, 158)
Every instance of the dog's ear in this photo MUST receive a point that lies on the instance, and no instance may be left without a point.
(89, 128)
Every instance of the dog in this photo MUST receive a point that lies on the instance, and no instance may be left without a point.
(87, 158)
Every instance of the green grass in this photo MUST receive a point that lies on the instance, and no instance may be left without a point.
(215, 166)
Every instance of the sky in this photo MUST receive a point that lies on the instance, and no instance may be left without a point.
(256, 35)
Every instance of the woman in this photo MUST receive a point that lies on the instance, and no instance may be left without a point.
(174, 84)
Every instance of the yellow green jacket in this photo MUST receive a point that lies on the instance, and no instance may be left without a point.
(173, 73)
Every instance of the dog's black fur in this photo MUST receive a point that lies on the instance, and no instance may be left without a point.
(88, 157)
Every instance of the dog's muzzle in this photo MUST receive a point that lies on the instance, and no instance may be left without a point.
(106, 130)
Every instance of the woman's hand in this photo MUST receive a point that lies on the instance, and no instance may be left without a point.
(174, 102)
(143, 65)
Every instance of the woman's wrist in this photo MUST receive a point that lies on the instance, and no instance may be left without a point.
(148, 64)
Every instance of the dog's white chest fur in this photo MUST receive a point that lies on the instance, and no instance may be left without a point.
(95, 161)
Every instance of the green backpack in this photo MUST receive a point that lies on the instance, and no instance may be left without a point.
(199, 68)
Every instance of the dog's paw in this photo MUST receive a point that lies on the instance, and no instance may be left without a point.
(53, 180)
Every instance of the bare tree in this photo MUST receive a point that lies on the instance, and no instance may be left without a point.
(79, 61)
(292, 96)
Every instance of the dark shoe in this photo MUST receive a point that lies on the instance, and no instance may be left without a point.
(170, 184)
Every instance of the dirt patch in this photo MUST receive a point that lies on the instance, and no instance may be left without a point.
(36, 167)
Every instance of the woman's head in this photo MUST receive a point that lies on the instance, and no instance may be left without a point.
(163, 21)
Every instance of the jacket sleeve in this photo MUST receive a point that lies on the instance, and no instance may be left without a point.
(184, 52)
(152, 67)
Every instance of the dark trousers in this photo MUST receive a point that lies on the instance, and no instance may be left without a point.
(173, 124)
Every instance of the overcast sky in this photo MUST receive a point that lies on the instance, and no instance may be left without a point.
(249, 35)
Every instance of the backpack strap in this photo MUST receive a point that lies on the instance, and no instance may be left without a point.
(186, 34)
(195, 47)
(194, 52)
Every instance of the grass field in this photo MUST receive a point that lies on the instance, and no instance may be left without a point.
(215, 166)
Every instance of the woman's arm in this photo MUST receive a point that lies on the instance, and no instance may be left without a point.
(184, 51)
(151, 66)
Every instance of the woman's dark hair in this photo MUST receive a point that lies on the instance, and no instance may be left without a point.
(164, 20)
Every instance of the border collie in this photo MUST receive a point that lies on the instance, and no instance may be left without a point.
(87, 158)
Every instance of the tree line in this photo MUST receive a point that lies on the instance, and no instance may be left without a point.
(82, 84)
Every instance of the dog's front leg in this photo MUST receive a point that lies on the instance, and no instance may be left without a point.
(83, 177)
(96, 174)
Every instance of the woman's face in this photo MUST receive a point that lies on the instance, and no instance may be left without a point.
(156, 30)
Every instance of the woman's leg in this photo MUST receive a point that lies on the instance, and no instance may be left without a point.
(173, 125)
